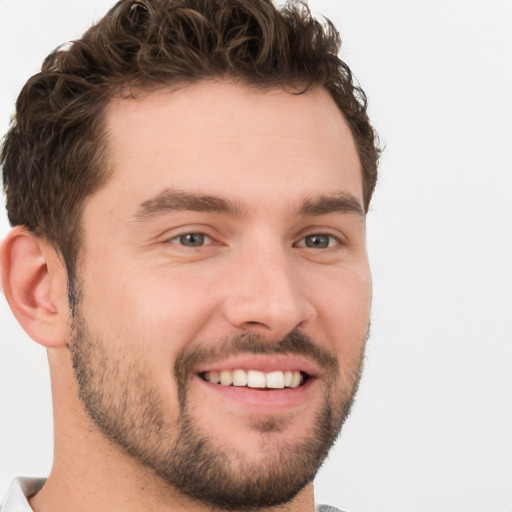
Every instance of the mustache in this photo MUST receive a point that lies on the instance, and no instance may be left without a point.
(294, 343)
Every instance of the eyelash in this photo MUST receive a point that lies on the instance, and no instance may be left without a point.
(302, 242)
(179, 238)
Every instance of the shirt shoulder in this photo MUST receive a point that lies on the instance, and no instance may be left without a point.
(323, 508)
(22, 488)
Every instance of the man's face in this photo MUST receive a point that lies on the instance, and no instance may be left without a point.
(228, 244)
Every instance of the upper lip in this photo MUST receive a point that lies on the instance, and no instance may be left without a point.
(262, 363)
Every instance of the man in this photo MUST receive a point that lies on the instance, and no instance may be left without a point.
(188, 186)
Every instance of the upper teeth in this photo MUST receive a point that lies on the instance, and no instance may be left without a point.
(255, 378)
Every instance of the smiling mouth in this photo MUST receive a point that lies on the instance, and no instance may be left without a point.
(256, 379)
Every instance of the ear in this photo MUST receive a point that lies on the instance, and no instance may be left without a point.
(34, 281)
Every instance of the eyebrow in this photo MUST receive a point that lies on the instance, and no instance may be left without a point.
(323, 205)
(171, 200)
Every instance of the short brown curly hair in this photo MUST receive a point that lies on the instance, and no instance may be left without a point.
(53, 155)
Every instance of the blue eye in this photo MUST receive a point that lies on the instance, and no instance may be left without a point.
(318, 241)
(192, 240)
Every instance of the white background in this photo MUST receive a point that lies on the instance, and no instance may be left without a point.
(432, 427)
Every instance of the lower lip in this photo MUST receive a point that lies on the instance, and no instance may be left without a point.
(268, 400)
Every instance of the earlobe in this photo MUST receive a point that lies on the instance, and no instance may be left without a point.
(34, 283)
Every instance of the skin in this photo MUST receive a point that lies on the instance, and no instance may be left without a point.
(149, 297)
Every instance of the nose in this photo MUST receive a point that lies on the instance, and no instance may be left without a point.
(266, 295)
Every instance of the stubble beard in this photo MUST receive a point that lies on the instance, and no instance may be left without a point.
(126, 406)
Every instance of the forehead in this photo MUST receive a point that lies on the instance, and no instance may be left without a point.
(222, 138)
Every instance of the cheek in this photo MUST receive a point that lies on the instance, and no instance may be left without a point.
(161, 310)
(344, 311)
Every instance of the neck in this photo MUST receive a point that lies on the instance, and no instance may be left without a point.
(82, 486)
